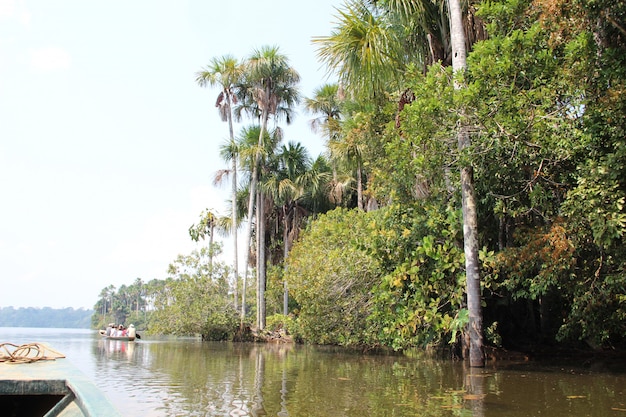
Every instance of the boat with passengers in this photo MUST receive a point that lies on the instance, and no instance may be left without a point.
(114, 332)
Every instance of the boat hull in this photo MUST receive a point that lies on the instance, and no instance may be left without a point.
(122, 338)
(128, 338)
(50, 387)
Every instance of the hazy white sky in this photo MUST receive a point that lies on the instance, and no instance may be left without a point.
(107, 146)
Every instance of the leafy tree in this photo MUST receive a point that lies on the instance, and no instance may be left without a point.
(197, 300)
(330, 276)
(419, 301)
(205, 228)
(552, 137)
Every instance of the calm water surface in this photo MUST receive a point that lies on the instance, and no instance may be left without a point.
(186, 377)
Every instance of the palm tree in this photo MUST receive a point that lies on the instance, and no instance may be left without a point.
(229, 152)
(285, 185)
(256, 160)
(226, 72)
(326, 104)
(364, 50)
(270, 90)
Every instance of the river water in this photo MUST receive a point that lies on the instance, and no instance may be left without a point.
(187, 377)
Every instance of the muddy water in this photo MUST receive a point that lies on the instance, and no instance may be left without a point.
(185, 377)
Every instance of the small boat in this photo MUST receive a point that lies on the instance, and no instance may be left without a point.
(110, 334)
(49, 387)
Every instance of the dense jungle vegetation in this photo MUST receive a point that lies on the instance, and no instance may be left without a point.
(364, 245)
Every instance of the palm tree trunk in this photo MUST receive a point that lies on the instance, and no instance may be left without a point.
(211, 245)
(252, 192)
(359, 185)
(260, 261)
(234, 206)
(285, 254)
(470, 218)
(252, 195)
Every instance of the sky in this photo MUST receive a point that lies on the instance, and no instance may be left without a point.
(108, 147)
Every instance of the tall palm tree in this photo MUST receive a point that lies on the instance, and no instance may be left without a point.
(229, 152)
(255, 161)
(270, 90)
(227, 72)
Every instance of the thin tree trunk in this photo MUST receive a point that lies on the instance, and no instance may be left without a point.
(252, 195)
(470, 218)
(252, 192)
(258, 259)
(261, 261)
(285, 254)
(234, 206)
(359, 186)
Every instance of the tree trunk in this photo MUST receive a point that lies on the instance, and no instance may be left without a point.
(285, 254)
(470, 218)
(252, 190)
(234, 206)
(359, 186)
(260, 256)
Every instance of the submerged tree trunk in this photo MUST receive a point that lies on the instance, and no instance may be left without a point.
(470, 218)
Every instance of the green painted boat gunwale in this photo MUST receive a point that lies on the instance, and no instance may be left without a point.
(58, 377)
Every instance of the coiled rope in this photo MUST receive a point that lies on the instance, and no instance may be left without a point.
(30, 352)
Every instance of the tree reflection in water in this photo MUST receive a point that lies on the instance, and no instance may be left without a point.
(194, 378)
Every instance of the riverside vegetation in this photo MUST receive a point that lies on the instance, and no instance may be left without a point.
(364, 246)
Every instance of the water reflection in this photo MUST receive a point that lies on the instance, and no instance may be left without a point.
(192, 378)
(186, 377)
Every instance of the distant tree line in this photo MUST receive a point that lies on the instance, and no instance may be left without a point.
(45, 317)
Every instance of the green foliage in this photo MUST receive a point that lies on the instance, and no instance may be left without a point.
(393, 277)
(419, 301)
(547, 92)
(195, 300)
(424, 148)
(287, 324)
(330, 276)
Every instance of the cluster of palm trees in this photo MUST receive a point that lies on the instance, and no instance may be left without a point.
(374, 43)
(281, 184)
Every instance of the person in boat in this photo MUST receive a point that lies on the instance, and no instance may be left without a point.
(110, 329)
